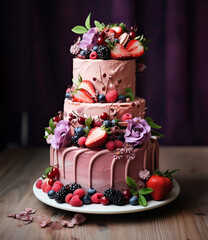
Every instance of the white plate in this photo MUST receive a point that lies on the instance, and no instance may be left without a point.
(109, 209)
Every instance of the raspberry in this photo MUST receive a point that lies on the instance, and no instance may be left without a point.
(58, 183)
(93, 55)
(48, 188)
(111, 96)
(126, 116)
(39, 183)
(82, 141)
(43, 186)
(75, 201)
(96, 123)
(110, 145)
(96, 198)
(56, 187)
(118, 143)
(68, 197)
(80, 192)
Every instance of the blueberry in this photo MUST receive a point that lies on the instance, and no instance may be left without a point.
(51, 194)
(91, 191)
(86, 199)
(133, 200)
(101, 98)
(95, 48)
(121, 98)
(107, 123)
(82, 53)
(120, 137)
(79, 131)
(114, 122)
(116, 40)
(68, 95)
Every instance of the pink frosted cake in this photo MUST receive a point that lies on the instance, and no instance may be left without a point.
(102, 141)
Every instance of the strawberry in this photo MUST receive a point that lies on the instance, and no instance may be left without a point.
(88, 86)
(119, 52)
(96, 138)
(118, 29)
(161, 183)
(82, 96)
(110, 31)
(135, 48)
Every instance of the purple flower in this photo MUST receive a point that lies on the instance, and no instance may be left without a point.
(137, 131)
(62, 135)
(89, 39)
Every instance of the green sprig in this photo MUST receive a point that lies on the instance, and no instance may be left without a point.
(155, 126)
(130, 94)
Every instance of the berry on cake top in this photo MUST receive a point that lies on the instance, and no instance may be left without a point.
(111, 41)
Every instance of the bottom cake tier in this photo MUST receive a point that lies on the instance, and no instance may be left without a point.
(102, 168)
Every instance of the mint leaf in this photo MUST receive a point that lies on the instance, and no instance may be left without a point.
(88, 122)
(51, 124)
(155, 133)
(149, 120)
(87, 129)
(151, 123)
(130, 94)
(134, 192)
(99, 25)
(145, 191)
(48, 131)
(79, 29)
(48, 169)
(130, 181)
(142, 200)
(87, 22)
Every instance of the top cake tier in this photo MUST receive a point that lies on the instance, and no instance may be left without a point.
(106, 74)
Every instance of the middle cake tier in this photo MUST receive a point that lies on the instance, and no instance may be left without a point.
(114, 110)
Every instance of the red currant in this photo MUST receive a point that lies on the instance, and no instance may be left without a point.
(81, 120)
(55, 171)
(50, 175)
(56, 119)
(71, 115)
(51, 182)
(100, 40)
(126, 194)
(104, 116)
(104, 201)
(132, 35)
(102, 34)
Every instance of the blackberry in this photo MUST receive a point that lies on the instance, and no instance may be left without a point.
(61, 194)
(104, 52)
(75, 139)
(74, 186)
(87, 53)
(115, 197)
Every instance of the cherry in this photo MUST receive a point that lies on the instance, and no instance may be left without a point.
(55, 171)
(81, 120)
(104, 201)
(51, 182)
(102, 34)
(56, 119)
(104, 116)
(50, 175)
(132, 35)
(126, 194)
(100, 40)
(71, 115)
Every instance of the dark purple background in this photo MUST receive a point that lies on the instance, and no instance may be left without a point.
(37, 65)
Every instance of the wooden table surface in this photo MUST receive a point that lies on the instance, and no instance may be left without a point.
(185, 218)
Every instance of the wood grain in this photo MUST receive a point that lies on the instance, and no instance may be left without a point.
(185, 218)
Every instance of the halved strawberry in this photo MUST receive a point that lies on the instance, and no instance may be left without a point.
(96, 138)
(118, 29)
(88, 86)
(82, 96)
(135, 48)
(119, 52)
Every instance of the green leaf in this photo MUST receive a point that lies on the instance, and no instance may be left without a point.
(51, 124)
(45, 137)
(98, 25)
(123, 26)
(48, 169)
(88, 122)
(145, 191)
(151, 123)
(48, 131)
(155, 133)
(130, 94)
(149, 120)
(130, 181)
(87, 129)
(87, 22)
(142, 201)
(134, 192)
(79, 29)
